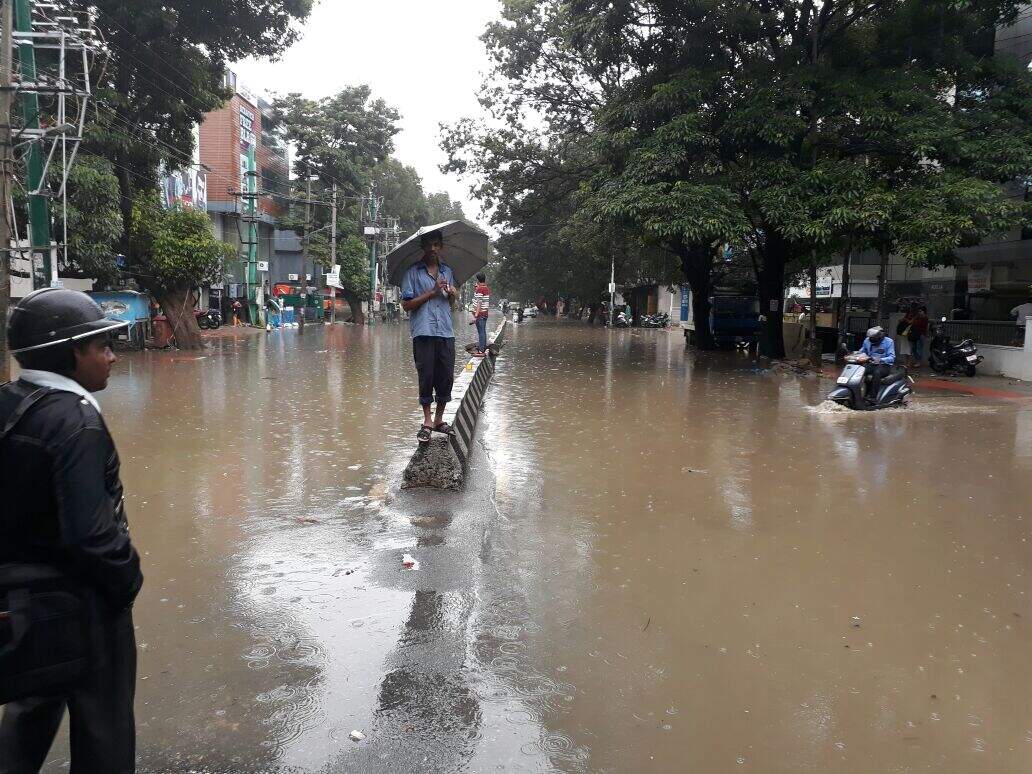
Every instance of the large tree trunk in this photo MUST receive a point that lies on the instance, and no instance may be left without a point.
(812, 352)
(355, 302)
(178, 306)
(845, 299)
(697, 267)
(772, 294)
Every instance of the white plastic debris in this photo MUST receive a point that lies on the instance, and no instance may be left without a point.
(357, 736)
(408, 562)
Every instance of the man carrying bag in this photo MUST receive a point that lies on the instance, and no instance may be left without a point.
(68, 571)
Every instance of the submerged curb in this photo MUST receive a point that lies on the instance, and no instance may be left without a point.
(442, 463)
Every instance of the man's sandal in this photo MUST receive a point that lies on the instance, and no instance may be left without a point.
(443, 427)
(423, 436)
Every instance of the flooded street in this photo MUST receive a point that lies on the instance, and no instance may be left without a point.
(662, 561)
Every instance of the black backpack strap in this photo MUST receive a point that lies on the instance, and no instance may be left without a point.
(27, 402)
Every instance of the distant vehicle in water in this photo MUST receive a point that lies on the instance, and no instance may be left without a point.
(530, 311)
(734, 318)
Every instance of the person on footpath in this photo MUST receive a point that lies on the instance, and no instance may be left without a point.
(59, 472)
(428, 293)
(904, 328)
(918, 332)
(481, 310)
(1019, 313)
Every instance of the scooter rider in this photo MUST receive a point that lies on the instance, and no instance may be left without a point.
(878, 355)
(59, 474)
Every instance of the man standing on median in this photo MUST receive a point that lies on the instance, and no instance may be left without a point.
(427, 293)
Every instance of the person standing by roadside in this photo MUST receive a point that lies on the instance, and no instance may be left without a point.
(1019, 313)
(918, 332)
(904, 329)
(59, 472)
(428, 292)
(481, 310)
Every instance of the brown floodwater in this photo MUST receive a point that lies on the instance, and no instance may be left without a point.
(662, 562)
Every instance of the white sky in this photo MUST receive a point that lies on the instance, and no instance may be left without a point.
(424, 57)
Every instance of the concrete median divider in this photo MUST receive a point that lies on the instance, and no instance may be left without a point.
(442, 462)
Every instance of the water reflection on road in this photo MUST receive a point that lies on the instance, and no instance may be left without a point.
(662, 562)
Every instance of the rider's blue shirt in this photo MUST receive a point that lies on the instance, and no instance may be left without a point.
(885, 350)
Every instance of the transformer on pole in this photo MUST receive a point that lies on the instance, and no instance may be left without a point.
(51, 132)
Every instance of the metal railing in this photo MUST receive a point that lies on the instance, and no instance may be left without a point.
(999, 332)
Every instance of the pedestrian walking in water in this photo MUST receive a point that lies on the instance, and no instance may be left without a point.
(64, 518)
(428, 292)
(481, 310)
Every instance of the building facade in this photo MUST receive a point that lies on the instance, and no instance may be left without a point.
(226, 135)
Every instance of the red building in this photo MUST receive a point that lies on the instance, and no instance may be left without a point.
(225, 136)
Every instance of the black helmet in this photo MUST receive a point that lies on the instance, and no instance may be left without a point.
(52, 316)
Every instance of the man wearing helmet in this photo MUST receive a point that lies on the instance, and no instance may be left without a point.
(59, 473)
(878, 354)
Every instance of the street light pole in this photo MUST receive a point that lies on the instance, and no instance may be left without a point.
(333, 254)
(612, 291)
(372, 256)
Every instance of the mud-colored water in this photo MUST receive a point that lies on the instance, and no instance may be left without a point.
(662, 562)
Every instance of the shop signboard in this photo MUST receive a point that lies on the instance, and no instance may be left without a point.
(980, 277)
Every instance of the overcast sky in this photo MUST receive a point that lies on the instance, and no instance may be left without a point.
(424, 58)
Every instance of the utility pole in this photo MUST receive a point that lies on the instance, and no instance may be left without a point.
(372, 257)
(304, 254)
(6, 25)
(612, 290)
(254, 294)
(333, 253)
(39, 208)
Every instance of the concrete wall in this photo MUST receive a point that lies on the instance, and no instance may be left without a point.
(1007, 361)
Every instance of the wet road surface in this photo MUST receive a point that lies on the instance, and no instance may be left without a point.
(661, 562)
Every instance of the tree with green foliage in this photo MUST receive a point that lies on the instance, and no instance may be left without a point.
(342, 139)
(164, 70)
(441, 208)
(94, 220)
(789, 128)
(173, 253)
(402, 191)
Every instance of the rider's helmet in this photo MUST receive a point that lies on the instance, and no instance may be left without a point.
(876, 334)
(47, 322)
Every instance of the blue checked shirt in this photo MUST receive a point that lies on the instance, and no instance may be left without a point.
(434, 318)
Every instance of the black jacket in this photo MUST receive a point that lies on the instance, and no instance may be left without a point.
(61, 494)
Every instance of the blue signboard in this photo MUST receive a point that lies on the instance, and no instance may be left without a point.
(685, 291)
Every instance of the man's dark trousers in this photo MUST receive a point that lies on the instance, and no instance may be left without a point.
(877, 372)
(100, 708)
(435, 365)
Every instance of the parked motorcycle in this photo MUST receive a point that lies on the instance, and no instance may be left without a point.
(623, 320)
(852, 385)
(660, 320)
(945, 357)
(210, 319)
